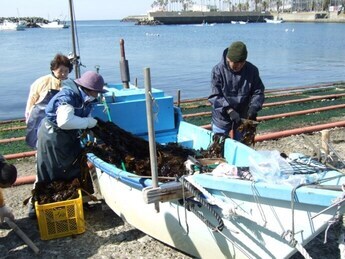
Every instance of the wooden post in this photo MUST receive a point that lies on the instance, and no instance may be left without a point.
(325, 136)
(179, 98)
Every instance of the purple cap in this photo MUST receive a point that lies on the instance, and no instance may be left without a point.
(92, 81)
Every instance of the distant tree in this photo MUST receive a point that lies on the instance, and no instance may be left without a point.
(325, 5)
(264, 5)
(256, 2)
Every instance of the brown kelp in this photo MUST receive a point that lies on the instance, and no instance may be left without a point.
(131, 153)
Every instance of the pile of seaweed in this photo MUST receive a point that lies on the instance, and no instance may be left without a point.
(131, 153)
(55, 191)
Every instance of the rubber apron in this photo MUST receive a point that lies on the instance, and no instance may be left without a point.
(36, 115)
(59, 153)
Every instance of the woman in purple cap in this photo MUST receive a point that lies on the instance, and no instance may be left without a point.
(58, 146)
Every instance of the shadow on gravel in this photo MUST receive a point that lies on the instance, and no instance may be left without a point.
(103, 227)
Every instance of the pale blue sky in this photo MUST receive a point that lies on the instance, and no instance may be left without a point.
(84, 9)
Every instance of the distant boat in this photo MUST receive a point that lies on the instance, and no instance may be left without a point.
(57, 24)
(14, 26)
(238, 22)
(274, 20)
(205, 24)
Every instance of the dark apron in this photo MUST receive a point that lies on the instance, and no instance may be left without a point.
(36, 115)
(58, 153)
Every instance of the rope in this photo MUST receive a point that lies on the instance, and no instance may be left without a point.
(293, 242)
(154, 105)
(196, 193)
(106, 108)
(227, 210)
(258, 204)
(341, 239)
(303, 251)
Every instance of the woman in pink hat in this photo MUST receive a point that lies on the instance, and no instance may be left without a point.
(41, 91)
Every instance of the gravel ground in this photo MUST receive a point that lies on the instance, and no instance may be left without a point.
(107, 236)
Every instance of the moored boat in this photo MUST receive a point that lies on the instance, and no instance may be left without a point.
(14, 26)
(274, 214)
(273, 20)
(57, 24)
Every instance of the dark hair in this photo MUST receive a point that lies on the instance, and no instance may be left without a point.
(59, 60)
(8, 174)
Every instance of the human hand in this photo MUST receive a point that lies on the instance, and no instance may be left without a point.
(234, 116)
(5, 212)
(91, 122)
(252, 114)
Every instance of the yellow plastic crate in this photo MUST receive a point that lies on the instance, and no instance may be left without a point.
(61, 219)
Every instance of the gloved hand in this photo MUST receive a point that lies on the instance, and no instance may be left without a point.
(6, 212)
(252, 114)
(234, 116)
(91, 122)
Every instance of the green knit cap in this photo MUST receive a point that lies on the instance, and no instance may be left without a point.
(237, 52)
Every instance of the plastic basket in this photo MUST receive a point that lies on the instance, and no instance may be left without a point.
(61, 219)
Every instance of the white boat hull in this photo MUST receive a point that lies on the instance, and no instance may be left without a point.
(267, 219)
(12, 26)
(258, 233)
(53, 25)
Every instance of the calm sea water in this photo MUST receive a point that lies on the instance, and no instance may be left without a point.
(179, 57)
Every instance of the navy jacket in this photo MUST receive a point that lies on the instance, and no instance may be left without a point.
(240, 91)
(72, 95)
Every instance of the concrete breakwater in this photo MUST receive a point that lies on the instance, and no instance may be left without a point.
(31, 22)
(228, 17)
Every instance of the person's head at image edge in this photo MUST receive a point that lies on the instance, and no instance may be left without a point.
(8, 174)
(61, 66)
(92, 84)
(236, 56)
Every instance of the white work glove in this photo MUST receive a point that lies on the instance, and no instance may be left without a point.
(91, 122)
(6, 212)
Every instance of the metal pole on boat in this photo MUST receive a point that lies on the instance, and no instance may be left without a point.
(125, 78)
(75, 56)
(151, 131)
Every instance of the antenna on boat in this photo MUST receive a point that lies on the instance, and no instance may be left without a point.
(75, 57)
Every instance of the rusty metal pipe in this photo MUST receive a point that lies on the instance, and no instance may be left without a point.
(290, 114)
(9, 140)
(286, 133)
(20, 155)
(309, 99)
(14, 128)
(280, 115)
(326, 85)
(287, 89)
(11, 121)
(30, 179)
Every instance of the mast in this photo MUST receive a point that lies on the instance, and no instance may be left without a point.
(75, 57)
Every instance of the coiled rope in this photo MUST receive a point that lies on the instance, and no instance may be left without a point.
(191, 207)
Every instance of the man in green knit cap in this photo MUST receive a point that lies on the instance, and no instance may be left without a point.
(237, 91)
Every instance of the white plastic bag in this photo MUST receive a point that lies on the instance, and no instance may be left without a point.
(270, 167)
